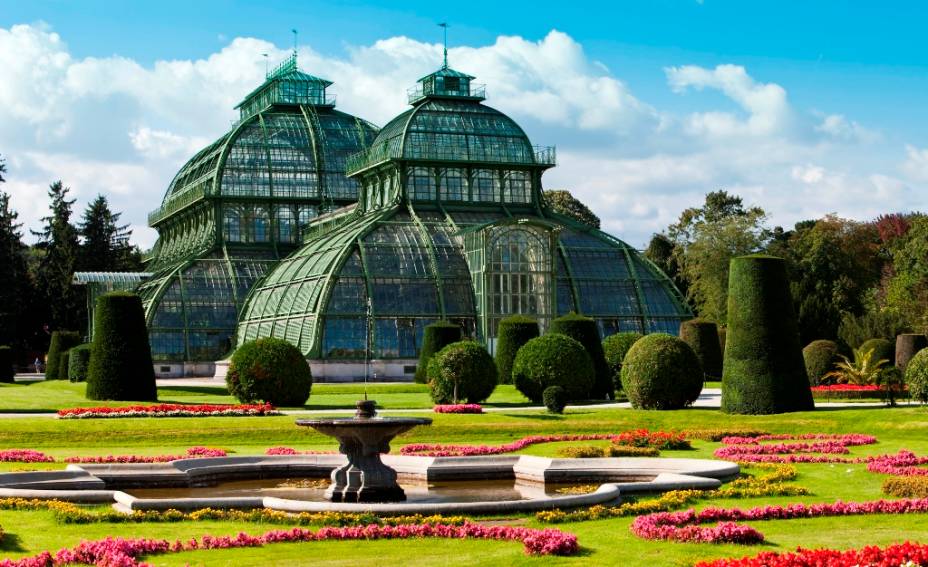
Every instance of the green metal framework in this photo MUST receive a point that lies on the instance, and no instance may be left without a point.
(450, 225)
(99, 283)
(237, 207)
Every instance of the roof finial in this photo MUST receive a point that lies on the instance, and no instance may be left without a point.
(444, 25)
(294, 40)
(267, 71)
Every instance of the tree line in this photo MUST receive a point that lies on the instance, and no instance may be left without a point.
(849, 280)
(36, 294)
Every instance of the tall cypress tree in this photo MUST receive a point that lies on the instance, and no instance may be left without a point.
(105, 243)
(58, 240)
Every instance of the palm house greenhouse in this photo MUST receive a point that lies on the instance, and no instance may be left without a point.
(449, 224)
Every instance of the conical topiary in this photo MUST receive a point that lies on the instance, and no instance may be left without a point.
(512, 333)
(7, 373)
(907, 346)
(435, 337)
(120, 359)
(79, 362)
(703, 338)
(584, 330)
(764, 371)
(61, 341)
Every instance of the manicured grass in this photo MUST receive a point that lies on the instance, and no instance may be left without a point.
(605, 542)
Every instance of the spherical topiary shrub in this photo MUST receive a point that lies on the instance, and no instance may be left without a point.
(512, 333)
(703, 338)
(820, 357)
(120, 361)
(64, 362)
(584, 330)
(461, 371)
(661, 372)
(60, 342)
(615, 347)
(763, 371)
(553, 360)
(435, 337)
(269, 370)
(78, 363)
(882, 350)
(555, 399)
(916, 376)
(6, 364)
(907, 345)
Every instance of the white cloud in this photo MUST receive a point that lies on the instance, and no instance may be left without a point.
(842, 129)
(916, 164)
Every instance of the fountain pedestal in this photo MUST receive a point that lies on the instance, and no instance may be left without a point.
(362, 439)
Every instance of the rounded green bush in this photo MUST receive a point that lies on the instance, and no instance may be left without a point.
(555, 399)
(703, 338)
(79, 362)
(120, 361)
(461, 371)
(615, 347)
(6, 364)
(269, 370)
(60, 342)
(763, 370)
(882, 350)
(916, 376)
(512, 333)
(907, 346)
(820, 358)
(661, 371)
(64, 359)
(435, 337)
(585, 331)
(553, 360)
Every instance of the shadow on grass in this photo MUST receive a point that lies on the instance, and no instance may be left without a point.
(203, 390)
(11, 542)
(539, 416)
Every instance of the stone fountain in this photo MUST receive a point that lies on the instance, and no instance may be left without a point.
(362, 439)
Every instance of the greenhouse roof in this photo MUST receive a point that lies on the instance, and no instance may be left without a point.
(82, 278)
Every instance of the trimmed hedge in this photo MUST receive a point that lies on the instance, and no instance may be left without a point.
(555, 399)
(61, 341)
(907, 346)
(820, 357)
(435, 337)
(661, 372)
(584, 330)
(63, 363)
(763, 371)
(703, 338)
(882, 350)
(512, 333)
(553, 360)
(120, 361)
(916, 376)
(79, 362)
(269, 370)
(6, 364)
(615, 347)
(461, 371)
(723, 336)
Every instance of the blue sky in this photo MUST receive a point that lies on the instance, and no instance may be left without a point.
(784, 102)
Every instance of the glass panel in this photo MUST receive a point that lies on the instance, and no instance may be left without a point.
(420, 184)
(344, 338)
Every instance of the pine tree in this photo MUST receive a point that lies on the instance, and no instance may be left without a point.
(14, 277)
(58, 239)
(105, 246)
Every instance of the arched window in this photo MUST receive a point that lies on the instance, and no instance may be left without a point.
(519, 275)
(517, 187)
(307, 213)
(232, 223)
(485, 187)
(420, 184)
(262, 225)
(453, 185)
(287, 230)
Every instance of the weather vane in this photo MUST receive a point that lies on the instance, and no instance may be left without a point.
(295, 33)
(444, 25)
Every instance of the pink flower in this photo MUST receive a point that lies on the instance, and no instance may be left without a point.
(458, 408)
(169, 410)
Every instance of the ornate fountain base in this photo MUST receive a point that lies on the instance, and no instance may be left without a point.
(362, 439)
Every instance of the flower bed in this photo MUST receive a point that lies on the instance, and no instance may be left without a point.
(903, 463)
(24, 456)
(683, 526)
(126, 552)
(170, 410)
(819, 450)
(896, 555)
(191, 453)
(292, 451)
(639, 438)
(458, 408)
(906, 486)
(590, 452)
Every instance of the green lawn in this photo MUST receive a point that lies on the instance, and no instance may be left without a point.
(605, 542)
